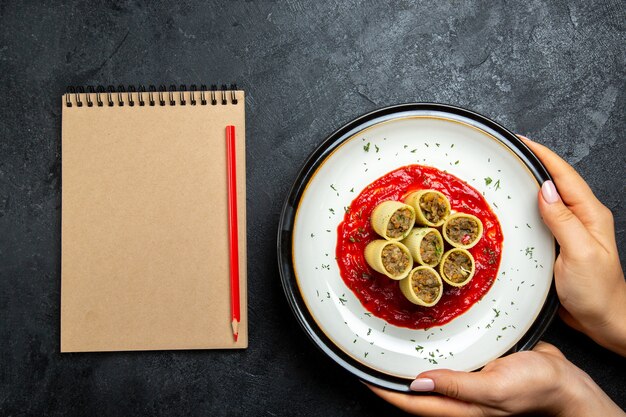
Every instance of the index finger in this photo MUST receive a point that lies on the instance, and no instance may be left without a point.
(574, 191)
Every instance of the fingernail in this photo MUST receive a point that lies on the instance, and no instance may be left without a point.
(422, 384)
(524, 137)
(549, 193)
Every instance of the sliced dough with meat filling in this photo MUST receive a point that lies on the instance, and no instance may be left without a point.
(431, 207)
(423, 286)
(457, 267)
(389, 258)
(462, 230)
(393, 220)
(425, 245)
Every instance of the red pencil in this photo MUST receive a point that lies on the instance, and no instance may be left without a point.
(232, 226)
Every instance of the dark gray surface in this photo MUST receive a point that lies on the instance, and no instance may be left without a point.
(554, 71)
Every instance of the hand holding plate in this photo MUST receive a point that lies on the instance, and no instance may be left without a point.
(588, 275)
(538, 381)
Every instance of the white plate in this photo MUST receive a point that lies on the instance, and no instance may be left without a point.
(471, 152)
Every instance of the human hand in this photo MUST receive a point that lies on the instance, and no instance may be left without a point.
(588, 275)
(537, 381)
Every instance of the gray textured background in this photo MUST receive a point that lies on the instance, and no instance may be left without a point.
(552, 70)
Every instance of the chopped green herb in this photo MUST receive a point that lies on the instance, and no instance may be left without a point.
(369, 331)
(488, 180)
(352, 190)
(437, 144)
(331, 210)
(529, 252)
(496, 185)
(414, 150)
(377, 148)
(333, 187)
(312, 235)
(366, 353)
(457, 162)
(366, 148)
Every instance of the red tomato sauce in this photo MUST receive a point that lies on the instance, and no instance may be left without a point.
(381, 295)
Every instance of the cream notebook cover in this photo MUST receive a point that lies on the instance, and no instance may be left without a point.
(144, 251)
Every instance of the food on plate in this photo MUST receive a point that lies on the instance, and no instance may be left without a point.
(457, 267)
(423, 286)
(462, 230)
(431, 207)
(425, 245)
(393, 220)
(389, 258)
(365, 275)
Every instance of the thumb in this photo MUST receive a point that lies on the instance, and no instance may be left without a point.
(564, 225)
(465, 386)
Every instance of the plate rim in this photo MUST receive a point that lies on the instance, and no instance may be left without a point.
(287, 220)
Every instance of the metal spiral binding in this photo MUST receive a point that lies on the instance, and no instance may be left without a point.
(161, 96)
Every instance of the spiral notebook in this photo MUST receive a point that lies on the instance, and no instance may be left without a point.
(144, 232)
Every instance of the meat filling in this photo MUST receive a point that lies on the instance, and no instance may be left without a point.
(463, 230)
(433, 206)
(425, 285)
(457, 267)
(395, 260)
(399, 223)
(430, 248)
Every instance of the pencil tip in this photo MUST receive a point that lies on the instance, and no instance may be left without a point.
(235, 324)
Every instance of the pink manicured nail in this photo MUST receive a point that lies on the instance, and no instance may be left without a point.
(549, 193)
(422, 384)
